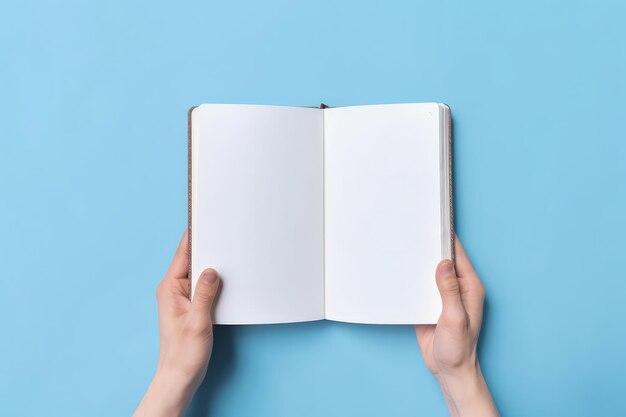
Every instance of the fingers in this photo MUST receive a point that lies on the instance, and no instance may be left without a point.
(462, 263)
(176, 278)
(204, 297)
(450, 291)
(472, 290)
(179, 268)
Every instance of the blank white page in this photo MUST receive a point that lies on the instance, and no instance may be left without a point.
(257, 210)
(382, 213)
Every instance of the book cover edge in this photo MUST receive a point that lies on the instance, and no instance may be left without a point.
(189, 196)
(451, 188)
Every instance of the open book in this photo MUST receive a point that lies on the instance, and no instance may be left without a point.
(321, 213)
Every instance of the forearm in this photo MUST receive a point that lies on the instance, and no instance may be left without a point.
(467, 394)
(169, 395)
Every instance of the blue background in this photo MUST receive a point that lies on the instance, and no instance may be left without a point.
(93, 107)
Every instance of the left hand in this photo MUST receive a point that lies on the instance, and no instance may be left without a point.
(186, 335)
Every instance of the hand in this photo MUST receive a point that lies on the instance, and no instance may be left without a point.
(186, 333)
(449, 348)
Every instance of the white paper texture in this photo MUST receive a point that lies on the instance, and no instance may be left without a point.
(257, 215)
(382, 213)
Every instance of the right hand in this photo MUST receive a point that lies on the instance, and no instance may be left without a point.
(449, 347)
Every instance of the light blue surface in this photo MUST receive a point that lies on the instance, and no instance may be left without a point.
(93, 102)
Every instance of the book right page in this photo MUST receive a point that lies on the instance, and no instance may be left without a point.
(383, 223)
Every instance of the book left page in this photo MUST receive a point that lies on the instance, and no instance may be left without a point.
(257, 203)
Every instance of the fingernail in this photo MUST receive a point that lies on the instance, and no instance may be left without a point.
(447, 267)
(209, 276)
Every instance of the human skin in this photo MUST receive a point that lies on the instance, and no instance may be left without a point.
(449, 348)
(186, 337)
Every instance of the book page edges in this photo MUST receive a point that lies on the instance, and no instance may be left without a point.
(447, 194)
(189, 190)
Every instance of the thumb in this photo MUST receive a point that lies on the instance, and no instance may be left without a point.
(450, 291)
(206, 289)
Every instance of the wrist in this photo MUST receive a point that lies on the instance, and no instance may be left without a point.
(188, 376)
(177, 382)
(169, 394)
(466, 392)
